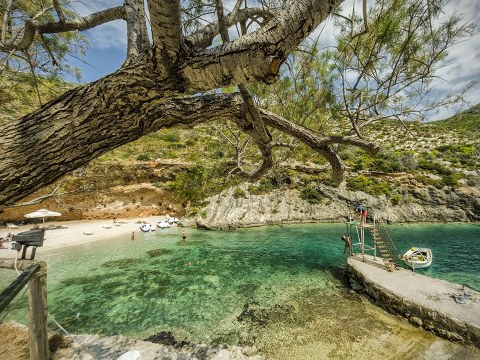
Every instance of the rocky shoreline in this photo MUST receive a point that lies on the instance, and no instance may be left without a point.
(90, 347)
(285, 206)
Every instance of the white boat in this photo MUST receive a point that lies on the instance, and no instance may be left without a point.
(163, 224)
(147, 227)
(418, 258)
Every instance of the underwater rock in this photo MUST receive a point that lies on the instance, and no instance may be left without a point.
(121, 263)
(260, 316)
(166, 338)
(253, 313)
(158, 252)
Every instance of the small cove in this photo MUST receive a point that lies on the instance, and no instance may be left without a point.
(280, 288)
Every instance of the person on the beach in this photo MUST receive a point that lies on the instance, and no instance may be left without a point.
(133, 236)
(184, 235)
(348, 244)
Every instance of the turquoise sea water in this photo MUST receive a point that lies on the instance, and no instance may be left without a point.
(256, 286)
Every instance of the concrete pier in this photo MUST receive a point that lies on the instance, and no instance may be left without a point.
(426, 302)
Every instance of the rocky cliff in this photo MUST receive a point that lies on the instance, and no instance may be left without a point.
(227, 210)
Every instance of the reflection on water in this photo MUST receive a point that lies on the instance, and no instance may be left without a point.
(278, 288)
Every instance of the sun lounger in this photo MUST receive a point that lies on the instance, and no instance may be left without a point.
(87, 232)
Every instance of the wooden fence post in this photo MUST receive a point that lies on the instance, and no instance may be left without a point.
(37, 317)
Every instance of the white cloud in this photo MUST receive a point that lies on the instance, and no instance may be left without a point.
(109, 35)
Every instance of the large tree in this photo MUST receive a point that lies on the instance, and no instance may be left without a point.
(168, 80)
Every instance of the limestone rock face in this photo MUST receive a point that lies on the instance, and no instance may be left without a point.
(227, 210)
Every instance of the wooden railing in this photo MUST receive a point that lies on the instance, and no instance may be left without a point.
(35, 274)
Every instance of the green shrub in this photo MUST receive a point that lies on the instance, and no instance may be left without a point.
(170, 137)
(190, 142)
(433, 166)
(396, 199)
(191, 184)
(264, 186)
(451, 180)
(359, 183)
(362, 163)
(425, 180)
(143, 157)
(460, 155)
(369, 186)
(329, 180)
(239, 193)
(380, 188)
(311, 194)
(386, 163)
(171, 154)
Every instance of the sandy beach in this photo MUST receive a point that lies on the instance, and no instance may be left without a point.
(79, 232)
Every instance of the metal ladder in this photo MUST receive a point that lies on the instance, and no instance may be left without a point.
(383, 249)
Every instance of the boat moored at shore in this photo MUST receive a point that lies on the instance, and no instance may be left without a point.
(418, 258)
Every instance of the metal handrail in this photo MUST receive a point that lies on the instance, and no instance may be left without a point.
(389, 239)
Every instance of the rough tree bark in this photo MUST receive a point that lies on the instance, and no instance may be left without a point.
(153, 90)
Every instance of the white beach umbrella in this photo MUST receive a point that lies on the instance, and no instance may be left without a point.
(42, 213)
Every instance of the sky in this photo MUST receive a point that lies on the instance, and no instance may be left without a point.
(108, 48)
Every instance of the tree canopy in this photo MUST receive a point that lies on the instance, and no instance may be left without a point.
(180, 54)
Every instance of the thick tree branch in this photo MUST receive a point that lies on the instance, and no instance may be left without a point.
(87, 22)
(137, 36)
(256, 56)
(311, 138)
(318, 143)
(203, 38)
(166, 31)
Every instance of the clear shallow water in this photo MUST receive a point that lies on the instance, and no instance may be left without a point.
(280, 288)
(455, 247)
